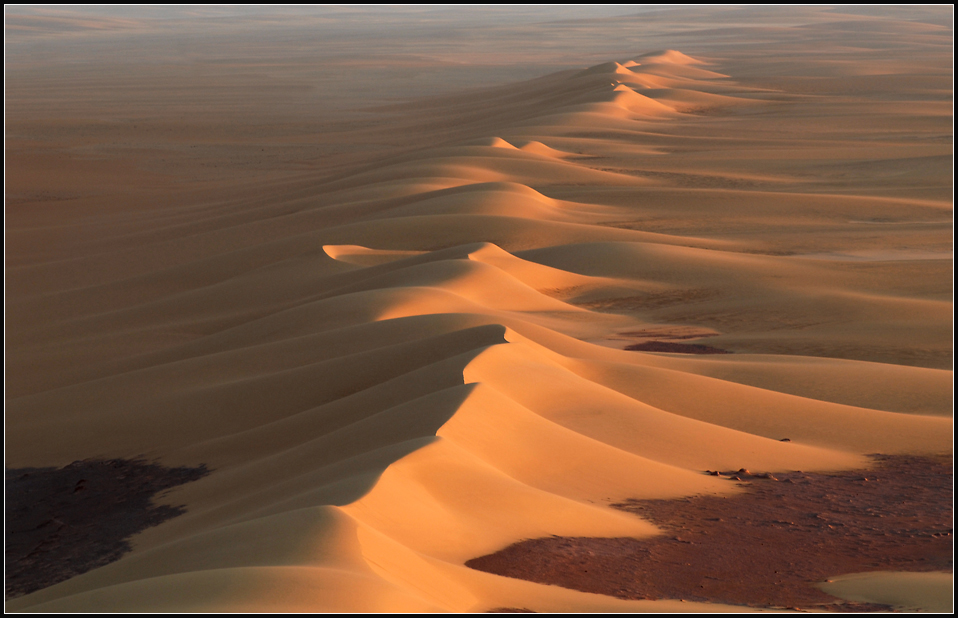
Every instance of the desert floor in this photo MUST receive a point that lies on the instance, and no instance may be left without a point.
(377, 271)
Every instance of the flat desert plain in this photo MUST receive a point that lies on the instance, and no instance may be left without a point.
(401, 309)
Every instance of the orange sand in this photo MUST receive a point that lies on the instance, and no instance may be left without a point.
(393, 326)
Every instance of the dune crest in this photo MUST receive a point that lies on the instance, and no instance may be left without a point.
(669, 56)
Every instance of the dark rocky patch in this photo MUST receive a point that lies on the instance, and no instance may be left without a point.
(672, 346)
(766, 547)
(62, 522)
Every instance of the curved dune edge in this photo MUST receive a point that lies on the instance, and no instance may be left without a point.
(910, 592)
(406, 375)
(478, 486)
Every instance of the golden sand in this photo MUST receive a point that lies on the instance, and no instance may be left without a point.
(393, 325)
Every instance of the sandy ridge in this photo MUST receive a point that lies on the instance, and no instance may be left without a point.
(416, 364)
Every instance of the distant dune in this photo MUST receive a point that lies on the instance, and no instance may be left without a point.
(400, 339)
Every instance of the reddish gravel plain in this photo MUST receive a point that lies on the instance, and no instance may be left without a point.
(766, 547)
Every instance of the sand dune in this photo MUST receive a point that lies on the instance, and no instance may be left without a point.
(418, 358)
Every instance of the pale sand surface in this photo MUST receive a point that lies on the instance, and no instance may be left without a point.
(910, 592)
(379, 281)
